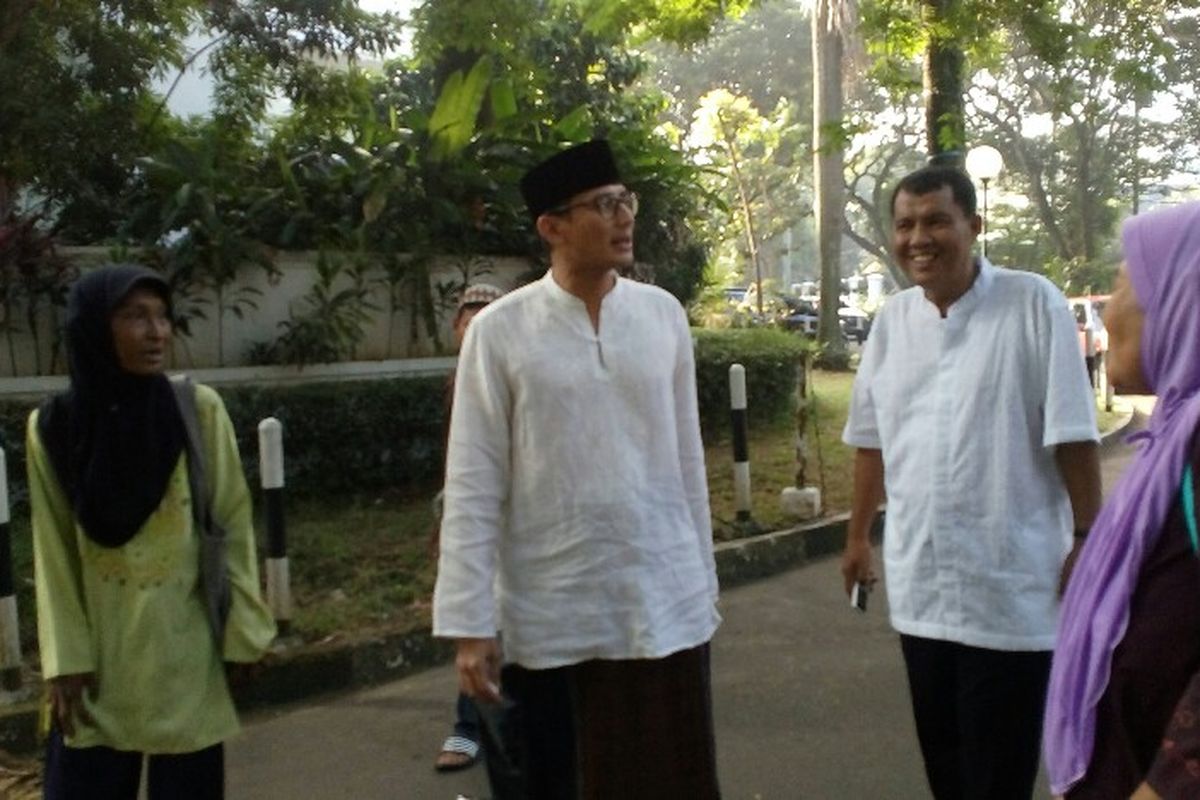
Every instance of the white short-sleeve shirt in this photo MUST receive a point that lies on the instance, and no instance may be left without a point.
(575, 482)
(967, 410)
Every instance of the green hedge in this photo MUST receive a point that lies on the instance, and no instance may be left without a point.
(771, 358)
(349, 437)
(371, 436)
(339, 438)
(12, 438)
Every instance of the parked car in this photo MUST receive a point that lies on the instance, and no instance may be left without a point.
(801, 322)
(797, 314)
(787, 310)
(735, 294)
(856, 324)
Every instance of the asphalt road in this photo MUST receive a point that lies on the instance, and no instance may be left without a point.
(810, 701)
(809, 695)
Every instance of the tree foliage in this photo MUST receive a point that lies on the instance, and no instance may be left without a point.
(514, 82)
(764, 55)
(1094, 148)
(1064, 88)
(74, 95)
(77, 107)
(755, 176)
(422, 158)
(708, 106)
(929, 44)
(740, 101)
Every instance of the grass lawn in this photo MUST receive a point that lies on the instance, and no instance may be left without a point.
(1107, 420)
(364, 565)
(773, 461)
(360, 567)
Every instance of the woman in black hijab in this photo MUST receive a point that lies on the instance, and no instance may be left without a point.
(131, 662)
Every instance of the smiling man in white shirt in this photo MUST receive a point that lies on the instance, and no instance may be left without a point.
(575, 485)
(972, 414)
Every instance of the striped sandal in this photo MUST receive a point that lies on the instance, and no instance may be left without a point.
(458, 752)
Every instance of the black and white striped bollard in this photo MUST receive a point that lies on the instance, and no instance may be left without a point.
(270, 468)
(10, 634)
(741, 447)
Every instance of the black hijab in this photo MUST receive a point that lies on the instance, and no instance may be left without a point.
(113, 438)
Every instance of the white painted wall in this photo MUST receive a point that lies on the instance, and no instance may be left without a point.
(387, 335)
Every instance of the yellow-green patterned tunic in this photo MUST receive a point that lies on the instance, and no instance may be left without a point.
(134, 614)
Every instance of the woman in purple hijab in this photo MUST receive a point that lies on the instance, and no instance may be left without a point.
(1123, 712)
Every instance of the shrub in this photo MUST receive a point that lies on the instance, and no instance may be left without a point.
(771, 358)
(13, 415)
(339, 438)
(347, 437)
(358, 437)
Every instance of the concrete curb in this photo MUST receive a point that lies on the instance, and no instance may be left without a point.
(762, 556)
(364, 662)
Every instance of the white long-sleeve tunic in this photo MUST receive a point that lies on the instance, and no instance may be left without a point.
(575, 482)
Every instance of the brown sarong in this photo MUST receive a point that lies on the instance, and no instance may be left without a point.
(645, 728)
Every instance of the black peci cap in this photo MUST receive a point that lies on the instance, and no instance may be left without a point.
(562, 176)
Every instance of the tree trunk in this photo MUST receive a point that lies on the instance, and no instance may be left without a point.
(220, 325)
(945, 120)
(7, 194)
(1137, 161)
(1088, 247)
(829, 196)
(31, 319)
(13, 17)
(8, 335)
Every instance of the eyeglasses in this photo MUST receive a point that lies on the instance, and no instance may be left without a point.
(605, 205)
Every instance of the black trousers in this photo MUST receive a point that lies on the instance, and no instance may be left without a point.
(529, 739)
(101, 773)
(636, 729)
(979, 717)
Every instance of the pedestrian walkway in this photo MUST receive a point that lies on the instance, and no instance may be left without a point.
(810, 701)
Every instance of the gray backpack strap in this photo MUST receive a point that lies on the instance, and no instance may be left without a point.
(185, 397)
(214, 571)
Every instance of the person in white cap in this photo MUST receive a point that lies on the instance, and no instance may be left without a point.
(460, 750)
(575, 484)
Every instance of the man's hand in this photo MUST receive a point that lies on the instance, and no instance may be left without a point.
(856, 564)
(868, 494)
(1069, 566)
(66, 700)
(478, 663)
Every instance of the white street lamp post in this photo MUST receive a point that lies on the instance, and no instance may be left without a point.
(984, 163)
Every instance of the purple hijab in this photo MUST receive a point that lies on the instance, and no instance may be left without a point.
(1162, 253)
